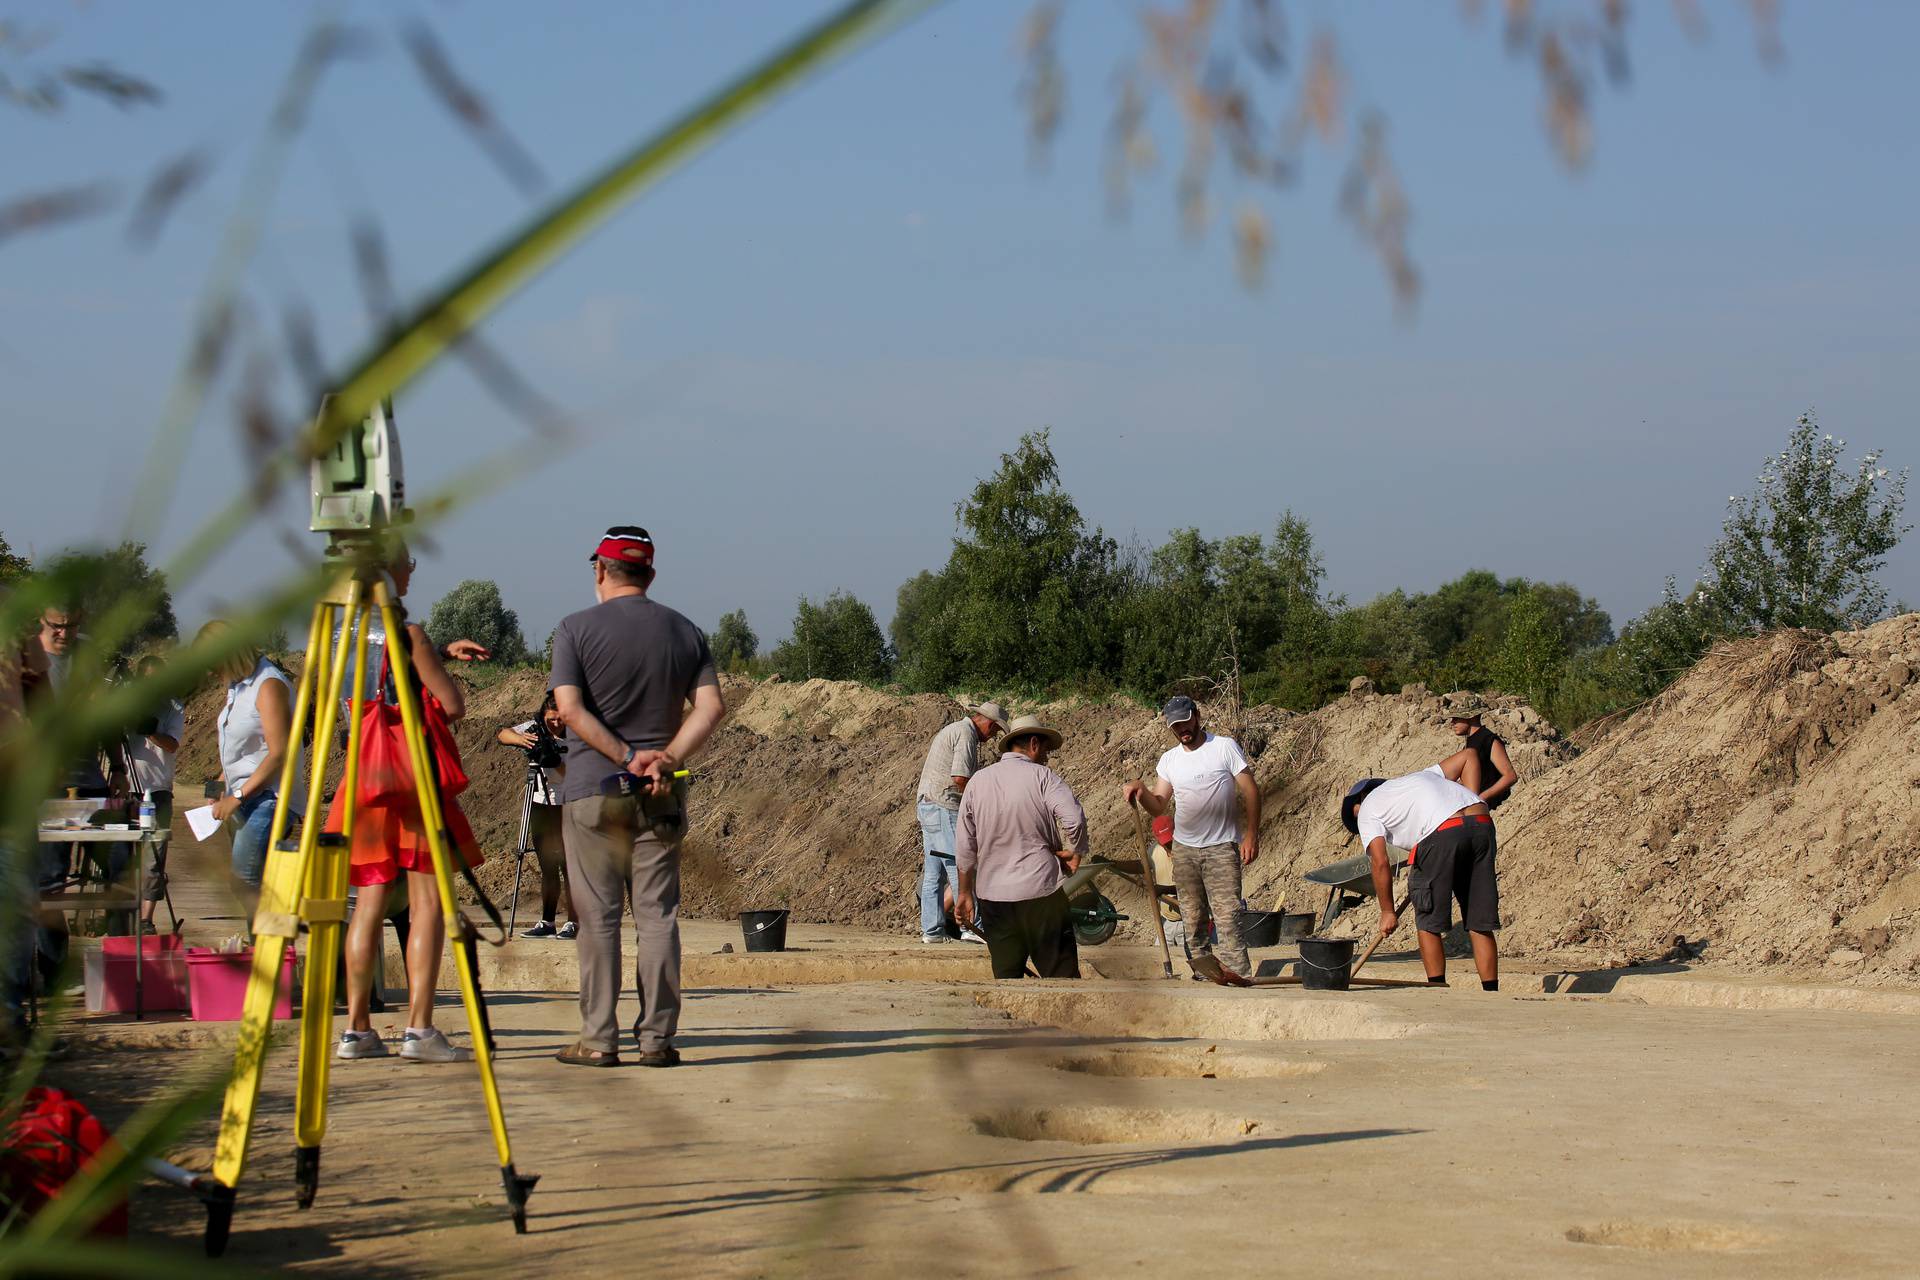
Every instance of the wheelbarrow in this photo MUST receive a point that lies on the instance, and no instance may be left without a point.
(1094, 917)
(1349, 882)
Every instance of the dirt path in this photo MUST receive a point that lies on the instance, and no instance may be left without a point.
(877, 1128)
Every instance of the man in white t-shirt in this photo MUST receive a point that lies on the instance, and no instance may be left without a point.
(1448, 835)
(1216, 828)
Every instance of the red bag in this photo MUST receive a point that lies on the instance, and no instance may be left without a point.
(386, 765)
(49, 1142)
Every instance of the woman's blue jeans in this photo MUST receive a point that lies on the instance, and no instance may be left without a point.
(252, 824)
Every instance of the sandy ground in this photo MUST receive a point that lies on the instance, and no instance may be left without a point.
(887, 1127)
(864, 1105)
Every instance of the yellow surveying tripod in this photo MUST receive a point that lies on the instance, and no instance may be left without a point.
(306, 884)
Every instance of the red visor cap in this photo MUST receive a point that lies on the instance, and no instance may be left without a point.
(625, 547)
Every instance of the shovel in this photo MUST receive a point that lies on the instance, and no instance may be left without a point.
(1145, 849)
(1380, 937)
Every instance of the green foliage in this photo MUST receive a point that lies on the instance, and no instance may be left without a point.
(92, 582)
(1803, 548)
(1028, 593)
(474, 611)
(1532, 653)
(12, 567)
(734, 643)
(836, 639)
(1198, 606)
(922, 633)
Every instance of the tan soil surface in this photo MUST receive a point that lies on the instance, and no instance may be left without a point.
(866, 1128)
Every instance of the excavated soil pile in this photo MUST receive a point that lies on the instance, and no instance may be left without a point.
(1766, 804)
(805, 797)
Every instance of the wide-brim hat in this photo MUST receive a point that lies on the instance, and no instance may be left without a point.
(1350, 804)
(1026, 725)
(992, 711)
(1466, 706)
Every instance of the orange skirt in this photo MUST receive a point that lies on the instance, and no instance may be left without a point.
(389, 839)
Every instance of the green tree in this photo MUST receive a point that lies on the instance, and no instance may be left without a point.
(1382, 638)
(922, 633)
(94, 581)
(1531, 653)
(12, 567)
(836, 639)
(1803, 549)
(734, 643)
(474, 611)
(1171, 625)
(1032, 590)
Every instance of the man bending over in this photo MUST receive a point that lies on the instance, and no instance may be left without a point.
(1448, 835)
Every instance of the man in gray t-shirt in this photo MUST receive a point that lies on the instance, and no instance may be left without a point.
(624, 673)
(952, 759)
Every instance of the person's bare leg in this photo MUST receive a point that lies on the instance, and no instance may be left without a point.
(363, 953)
(426, 936)
(1433, 956)
(1486, 955)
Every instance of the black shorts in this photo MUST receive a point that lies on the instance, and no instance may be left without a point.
(1456, 863)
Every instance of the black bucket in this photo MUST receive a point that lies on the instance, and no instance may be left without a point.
(1326, 963)
(767, 930)
(1260, 928)
(1296, 924)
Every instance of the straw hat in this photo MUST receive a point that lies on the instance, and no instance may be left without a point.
(1026, 725)
(992, 711)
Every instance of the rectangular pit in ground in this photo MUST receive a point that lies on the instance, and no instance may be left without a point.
(1198, 1014)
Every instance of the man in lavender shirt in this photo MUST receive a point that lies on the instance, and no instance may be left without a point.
(1019, 830)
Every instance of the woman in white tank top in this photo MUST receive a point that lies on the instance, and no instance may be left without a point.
(256, 732)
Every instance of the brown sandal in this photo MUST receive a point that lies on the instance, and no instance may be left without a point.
(579, 1055)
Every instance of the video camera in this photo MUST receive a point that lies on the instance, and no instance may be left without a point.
(547, 751)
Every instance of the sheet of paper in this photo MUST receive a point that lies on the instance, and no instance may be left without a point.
(202, 821)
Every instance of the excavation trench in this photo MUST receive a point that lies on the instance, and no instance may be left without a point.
(1199, 1015)
(1184, 1064)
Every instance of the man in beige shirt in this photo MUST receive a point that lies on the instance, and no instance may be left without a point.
(1014, 819)
(952, 759)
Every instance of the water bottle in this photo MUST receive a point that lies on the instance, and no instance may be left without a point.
(146, 810)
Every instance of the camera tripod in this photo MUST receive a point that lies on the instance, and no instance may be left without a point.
(536, 782)
(306, 885)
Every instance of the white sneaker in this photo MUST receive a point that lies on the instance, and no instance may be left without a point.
(361, 1044)
(431, 1046)
(970, 934)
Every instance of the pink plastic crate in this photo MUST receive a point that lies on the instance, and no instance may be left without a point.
(163, 969)
(217, 982)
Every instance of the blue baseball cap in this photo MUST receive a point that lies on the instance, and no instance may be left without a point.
(1179, 709)
(1350, 806)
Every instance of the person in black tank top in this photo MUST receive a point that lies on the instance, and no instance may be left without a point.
(1482, 764)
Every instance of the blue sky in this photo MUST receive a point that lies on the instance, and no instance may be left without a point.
(793, 358)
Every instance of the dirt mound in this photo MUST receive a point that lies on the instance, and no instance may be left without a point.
(1765, 804)
(805, 798)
